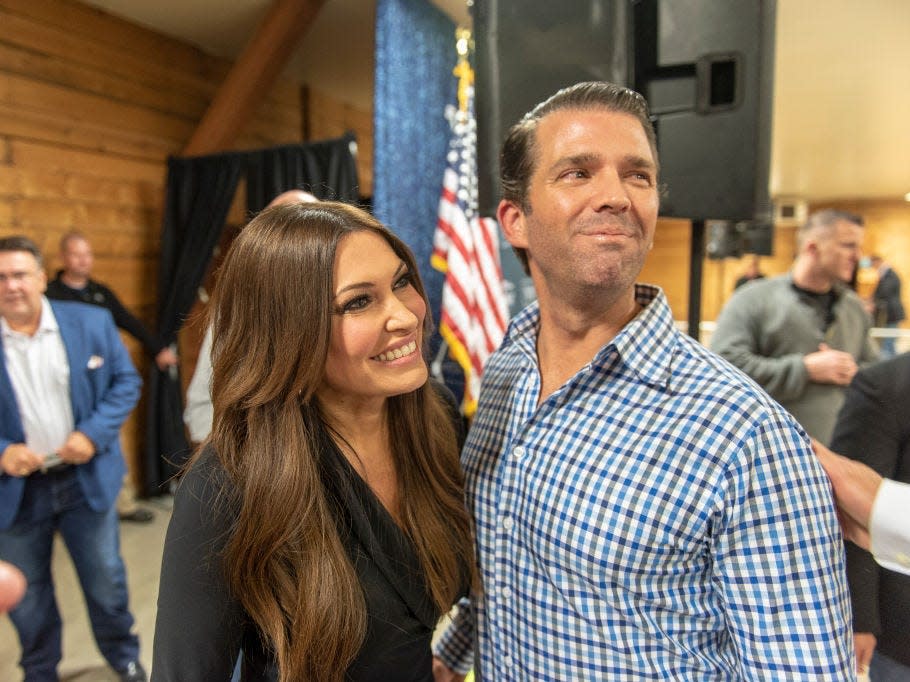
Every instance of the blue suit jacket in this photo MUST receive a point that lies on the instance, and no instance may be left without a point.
(102, 396)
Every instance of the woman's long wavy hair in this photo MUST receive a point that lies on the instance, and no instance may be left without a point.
(284, 560)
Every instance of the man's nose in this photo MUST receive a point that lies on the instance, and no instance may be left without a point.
(612, 194)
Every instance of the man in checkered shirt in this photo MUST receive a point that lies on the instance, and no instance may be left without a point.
(643, 510)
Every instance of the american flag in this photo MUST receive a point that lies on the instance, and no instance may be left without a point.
(474, 313)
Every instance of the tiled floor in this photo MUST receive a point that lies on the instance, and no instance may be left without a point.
(141, 546)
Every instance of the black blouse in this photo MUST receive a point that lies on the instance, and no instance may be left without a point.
(201, 627)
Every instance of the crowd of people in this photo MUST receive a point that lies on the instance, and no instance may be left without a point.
(626, 503)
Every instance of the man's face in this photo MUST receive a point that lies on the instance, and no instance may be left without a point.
(22, 282)
(77, 258)
(593, 203)
(838, 252)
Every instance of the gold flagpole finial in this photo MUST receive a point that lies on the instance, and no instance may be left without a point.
(463, 70)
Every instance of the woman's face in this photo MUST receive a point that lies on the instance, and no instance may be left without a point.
(377, 324)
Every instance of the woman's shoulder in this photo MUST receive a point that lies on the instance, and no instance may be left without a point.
(204, 480)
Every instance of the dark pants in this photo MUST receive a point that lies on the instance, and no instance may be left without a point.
(54, 502)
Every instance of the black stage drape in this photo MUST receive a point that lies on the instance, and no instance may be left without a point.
(199, 194)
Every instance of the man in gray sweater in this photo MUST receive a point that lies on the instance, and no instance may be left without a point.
(803, 335)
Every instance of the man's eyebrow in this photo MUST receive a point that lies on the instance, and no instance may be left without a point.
(575, 160)
(637, 161)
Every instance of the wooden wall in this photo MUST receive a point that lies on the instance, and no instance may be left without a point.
(887, 234)
(90, 108)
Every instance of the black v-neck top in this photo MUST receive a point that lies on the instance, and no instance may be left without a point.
(201, 626)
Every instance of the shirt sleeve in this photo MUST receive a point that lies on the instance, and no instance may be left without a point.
(199, 626)
(779, 561)
(455, 646)
(890, 527)
(199, 411)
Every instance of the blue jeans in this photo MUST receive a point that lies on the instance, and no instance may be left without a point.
(885, 669)
(887, 347)
(54, 502)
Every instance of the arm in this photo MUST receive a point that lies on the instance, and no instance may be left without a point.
(199, 626)
(129, 323)
(737, 337)
(117, 398)
(453, 651)
(778, 560)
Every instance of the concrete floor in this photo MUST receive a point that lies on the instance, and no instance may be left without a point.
(141, 545)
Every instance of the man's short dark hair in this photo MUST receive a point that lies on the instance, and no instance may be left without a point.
(18, 242)
(518, 157)
(823, 222)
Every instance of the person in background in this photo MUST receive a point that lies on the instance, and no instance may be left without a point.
(74, 283)
(873, 427)
(66, 385)
(751, 273)
(888, 308)
(802, 335)
(642, 509)
(321, 531)
(197, 413)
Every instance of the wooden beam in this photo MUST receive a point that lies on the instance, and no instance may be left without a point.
(253, 75)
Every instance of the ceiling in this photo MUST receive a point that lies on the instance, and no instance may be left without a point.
(842, 79)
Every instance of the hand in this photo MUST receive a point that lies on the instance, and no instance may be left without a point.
(165, 358)
(855, 487)
(443, 673)
(828, 366)
(12, 586)
(19, 460)
(77, 449)
(864, 645)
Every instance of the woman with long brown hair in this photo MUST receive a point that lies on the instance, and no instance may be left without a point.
(321, 530)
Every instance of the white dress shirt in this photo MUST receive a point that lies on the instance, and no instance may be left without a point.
(39, 371)
(890, 526)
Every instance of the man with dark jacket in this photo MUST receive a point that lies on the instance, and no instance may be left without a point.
(889, 310)
(873, 427)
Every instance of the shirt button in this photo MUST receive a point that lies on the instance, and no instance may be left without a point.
(507, 661)
(507, 522)
(506, 592)
(518, 452)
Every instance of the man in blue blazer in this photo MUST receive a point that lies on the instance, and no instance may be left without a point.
(66, 386)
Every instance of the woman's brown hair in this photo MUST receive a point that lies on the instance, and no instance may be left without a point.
(284, 560)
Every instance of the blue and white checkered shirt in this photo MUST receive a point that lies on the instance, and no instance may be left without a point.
(658, 517)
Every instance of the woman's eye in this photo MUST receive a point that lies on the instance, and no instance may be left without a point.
(403, 281)
(355, 304)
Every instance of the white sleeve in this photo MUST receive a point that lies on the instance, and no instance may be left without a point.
(889, 526)
(198, 412)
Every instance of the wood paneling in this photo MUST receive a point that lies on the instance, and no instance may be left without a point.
(90, 108)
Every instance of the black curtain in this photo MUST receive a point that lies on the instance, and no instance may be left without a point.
(199, 194)
(321, 168)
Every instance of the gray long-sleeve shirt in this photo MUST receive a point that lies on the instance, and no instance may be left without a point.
(768, 326)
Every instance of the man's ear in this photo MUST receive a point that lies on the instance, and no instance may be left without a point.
(512, 220)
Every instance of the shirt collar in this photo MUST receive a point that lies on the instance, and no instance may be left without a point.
(47, 323)
(645, 344)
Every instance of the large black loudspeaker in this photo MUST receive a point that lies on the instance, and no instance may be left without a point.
(705, 67)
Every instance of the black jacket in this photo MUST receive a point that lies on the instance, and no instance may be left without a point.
(874, 428)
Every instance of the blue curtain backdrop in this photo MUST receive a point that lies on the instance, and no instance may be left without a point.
(415, 55)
